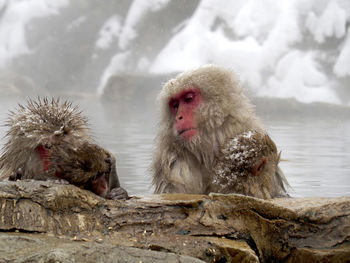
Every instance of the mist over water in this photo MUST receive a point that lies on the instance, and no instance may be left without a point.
(287, 49)
(315, 152)
(280, 49)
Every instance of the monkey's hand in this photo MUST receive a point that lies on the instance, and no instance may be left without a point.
(16, 175)
(118, 193)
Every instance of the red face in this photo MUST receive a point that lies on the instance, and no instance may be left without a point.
(182, 106)
(44, 157)
(44, 154)
(99, 185)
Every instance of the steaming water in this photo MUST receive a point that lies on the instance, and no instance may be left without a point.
(316, 153)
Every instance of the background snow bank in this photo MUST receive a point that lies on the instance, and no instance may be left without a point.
(280, 48)
(288, 48)
(14, 17)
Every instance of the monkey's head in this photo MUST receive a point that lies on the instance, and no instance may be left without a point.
(196, 104)
(34, 128)
(86, 165)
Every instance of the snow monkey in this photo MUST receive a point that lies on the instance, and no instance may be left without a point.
(48, 139)
(210, 139)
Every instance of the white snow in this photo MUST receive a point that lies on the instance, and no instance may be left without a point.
(297, 73)
(116, 65)
(236, 155)
(126, 33)
(13, 21)
(76, 23)
(137, 11)
(342, 64)
(265, 38)
(331, 22)
(248, 134)
(109, 31)
(279, 48)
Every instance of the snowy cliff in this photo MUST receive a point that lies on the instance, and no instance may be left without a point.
(290, 48)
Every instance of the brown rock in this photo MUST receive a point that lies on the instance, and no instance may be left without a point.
(42, 248)
(62, 222)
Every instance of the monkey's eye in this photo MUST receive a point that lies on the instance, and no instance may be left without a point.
(189, 97)
(94, 178)
(174, 105)
(98, 175)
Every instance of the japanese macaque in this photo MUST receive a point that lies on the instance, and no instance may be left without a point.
(50, 140)
(248, 164)
(210, 139)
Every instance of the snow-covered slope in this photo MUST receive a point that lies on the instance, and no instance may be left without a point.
(287, 48)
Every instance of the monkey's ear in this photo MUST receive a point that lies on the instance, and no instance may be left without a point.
(259, 166)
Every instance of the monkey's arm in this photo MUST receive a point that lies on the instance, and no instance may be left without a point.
(160, 181)
(180, 176)
(113, 176)
(163, 168)
(115, 190)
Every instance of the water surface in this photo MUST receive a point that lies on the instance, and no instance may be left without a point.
(316, 152)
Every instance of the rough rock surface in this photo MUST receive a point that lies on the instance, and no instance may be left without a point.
(49, 222)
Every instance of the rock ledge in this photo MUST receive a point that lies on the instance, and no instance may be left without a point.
(49, 222)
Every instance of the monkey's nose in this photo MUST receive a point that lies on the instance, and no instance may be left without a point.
(179, 117)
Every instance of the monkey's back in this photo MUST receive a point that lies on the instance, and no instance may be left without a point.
(234, 168)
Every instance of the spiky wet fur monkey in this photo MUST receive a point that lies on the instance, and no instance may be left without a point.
(48, 139)
(203, 110)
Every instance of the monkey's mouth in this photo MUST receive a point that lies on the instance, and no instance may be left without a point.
(188, 133)
(186, 130)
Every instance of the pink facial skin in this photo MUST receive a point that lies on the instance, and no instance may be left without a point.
(99, 185)
(182, 106)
